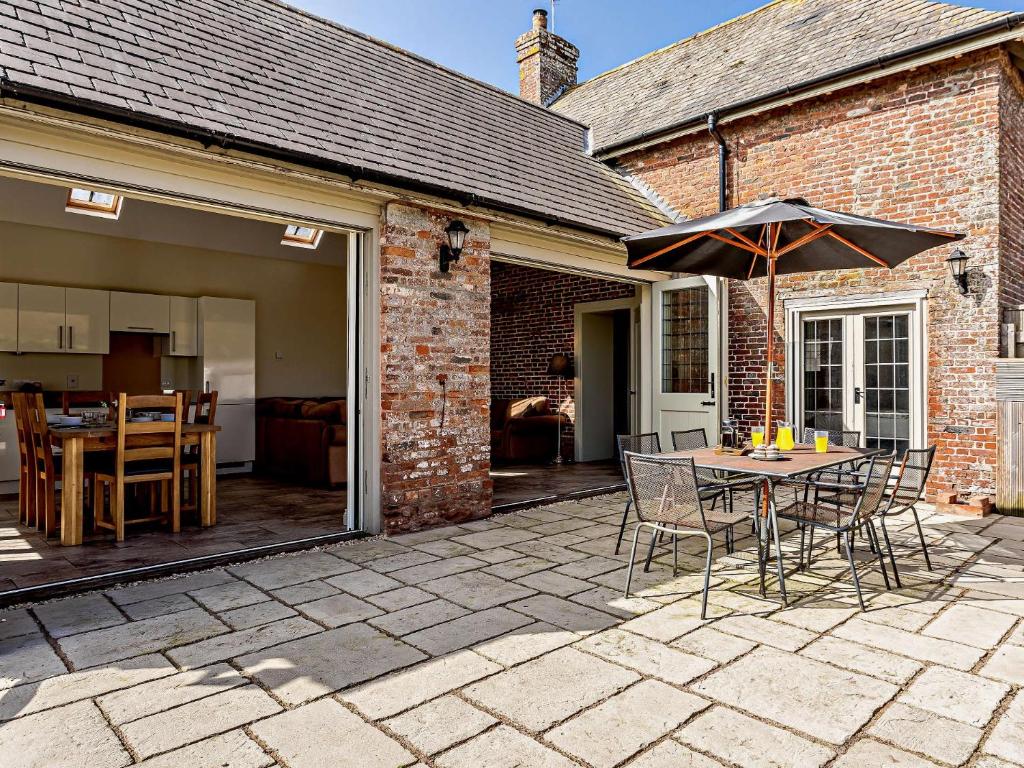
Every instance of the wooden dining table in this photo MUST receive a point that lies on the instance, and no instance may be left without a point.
(802, 460)
(75, 442)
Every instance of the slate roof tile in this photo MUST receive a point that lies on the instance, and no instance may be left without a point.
(782, 43)
(269, 74)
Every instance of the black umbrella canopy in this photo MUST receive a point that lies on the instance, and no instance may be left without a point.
(735, 244)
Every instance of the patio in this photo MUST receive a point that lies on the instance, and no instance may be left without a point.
(506, 642)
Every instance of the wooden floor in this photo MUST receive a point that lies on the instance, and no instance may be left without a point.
(251, 512)
(515, 484)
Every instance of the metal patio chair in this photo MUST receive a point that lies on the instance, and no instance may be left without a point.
(668, 500)
(849, 510)
(646, 443)
(905, 495)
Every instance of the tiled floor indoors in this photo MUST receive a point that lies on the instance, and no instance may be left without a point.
(506, 642)
(515, 483)
(251, 511)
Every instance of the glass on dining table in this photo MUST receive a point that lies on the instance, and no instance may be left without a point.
(820, 441)
(757, 436)
(784, 436)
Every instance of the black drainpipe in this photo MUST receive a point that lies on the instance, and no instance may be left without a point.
(723, 152)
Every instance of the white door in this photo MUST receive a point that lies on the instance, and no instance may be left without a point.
(184, 340)
(861, 370)
(8, 317)
(40, 318)
(686, 353)
(88, 321)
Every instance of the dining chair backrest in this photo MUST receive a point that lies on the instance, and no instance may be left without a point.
(26, 459)
(876, 480)
(39, 431)
(913, 474)
(76, 398)
(645, 442)
(665, 490)
(151, 441)
(20, 402)
(206, 408)
(187, 397)
(844, 437)
(689, 439)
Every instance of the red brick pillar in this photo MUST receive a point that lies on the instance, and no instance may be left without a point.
(433, 325)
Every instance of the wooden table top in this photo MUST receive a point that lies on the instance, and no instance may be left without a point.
(799, 461)
(107, 429)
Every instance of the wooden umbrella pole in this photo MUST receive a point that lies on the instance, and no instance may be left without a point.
(773, 239)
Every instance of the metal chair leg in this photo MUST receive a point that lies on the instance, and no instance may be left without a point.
(707, 581)
(892, 557)
(675, 556)
(650, 551)
(920, 533)
(632, 558)
(876, 547)
(803, 536)
(622, 528)
(774, 523)
(853, 571)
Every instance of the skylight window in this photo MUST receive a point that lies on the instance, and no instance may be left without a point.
(299, 236)
(93, 203)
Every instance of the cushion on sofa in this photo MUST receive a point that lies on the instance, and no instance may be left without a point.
(331, 411)
(528, 406)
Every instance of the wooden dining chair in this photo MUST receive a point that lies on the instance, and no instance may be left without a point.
(48, 467)
(187, 398)
(26, 461)
(205, 413)
(147, 452)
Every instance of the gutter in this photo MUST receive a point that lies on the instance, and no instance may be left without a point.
(878, 63)
(209, 138)
(723, 153)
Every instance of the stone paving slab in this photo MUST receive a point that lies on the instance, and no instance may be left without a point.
(325, 734)
(75, 736)
(498, 651)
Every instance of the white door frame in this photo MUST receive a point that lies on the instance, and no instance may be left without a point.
(591, 307)
(718, 352)
(915, 302)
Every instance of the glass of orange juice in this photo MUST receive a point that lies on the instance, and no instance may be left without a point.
(757, 436)
(820, 441)
(784, 438)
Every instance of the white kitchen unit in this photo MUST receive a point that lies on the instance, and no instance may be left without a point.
(184, 326)
(53, 319)
(139, 312)
(227, 349)
(87, 316)
(8, 317)
(10, 459)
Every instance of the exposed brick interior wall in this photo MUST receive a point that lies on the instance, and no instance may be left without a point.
(532, 318)
(922, 147)
(433, 324)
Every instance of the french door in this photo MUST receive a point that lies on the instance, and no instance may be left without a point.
(686, 353)
(860, 370)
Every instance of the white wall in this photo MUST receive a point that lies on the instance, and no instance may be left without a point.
(300, 307)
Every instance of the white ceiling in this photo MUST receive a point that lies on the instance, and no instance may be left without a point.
(42, 205)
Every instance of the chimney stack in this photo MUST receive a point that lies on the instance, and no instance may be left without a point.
(547, 63)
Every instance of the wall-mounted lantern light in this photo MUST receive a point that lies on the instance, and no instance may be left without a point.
(958, 269)
(451, 251)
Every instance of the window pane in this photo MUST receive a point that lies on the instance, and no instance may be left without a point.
(887, 376)
(823, 396)
(684, 339)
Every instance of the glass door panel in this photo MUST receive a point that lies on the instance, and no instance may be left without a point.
(684, 340)
(823, 374)
(887, 382)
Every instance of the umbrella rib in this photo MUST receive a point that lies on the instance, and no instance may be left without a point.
(810, 237)
(666, 249)
(736, 244)
(756, 248)
(858, 249)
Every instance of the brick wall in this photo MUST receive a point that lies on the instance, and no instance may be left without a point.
(532, 318)
(547, 62)
(433, 324)
(1011, 188)
(921, 147)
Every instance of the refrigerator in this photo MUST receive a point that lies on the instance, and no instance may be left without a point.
(227, 353)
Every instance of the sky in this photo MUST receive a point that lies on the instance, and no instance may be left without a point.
(476, 36)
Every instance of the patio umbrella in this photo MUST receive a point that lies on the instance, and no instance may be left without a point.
(779, 237)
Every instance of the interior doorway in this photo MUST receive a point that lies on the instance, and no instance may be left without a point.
(606, 391)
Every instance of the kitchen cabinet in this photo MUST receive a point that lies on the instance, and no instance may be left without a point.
(139, 312)
(8, 317)
(63, 320)
(87, 321)
(184, 326)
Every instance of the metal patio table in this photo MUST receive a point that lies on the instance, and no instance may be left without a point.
(800, 461)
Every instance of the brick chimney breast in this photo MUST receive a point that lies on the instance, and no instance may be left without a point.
(547, 63)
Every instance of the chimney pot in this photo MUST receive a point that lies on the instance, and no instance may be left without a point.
(540, 19)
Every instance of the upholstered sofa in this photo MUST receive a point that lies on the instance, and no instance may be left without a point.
(524, 430)
(304, 440)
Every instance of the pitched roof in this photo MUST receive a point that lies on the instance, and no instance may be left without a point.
(278, 80)
(780, 44)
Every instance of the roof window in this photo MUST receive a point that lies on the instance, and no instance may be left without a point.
(93, 203)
